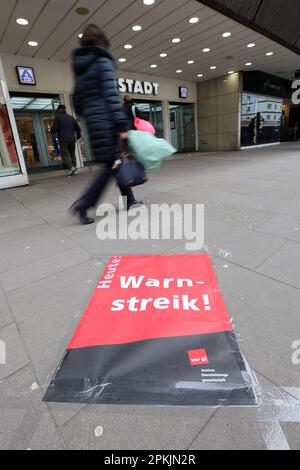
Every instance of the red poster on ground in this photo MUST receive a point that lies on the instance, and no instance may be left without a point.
(156, 331)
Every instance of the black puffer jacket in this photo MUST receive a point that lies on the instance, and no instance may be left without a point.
(66, 127)
(97, 101)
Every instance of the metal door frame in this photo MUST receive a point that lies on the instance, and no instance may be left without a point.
(41, 138)
(179, 120)
(42, 114)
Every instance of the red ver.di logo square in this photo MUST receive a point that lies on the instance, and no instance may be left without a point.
(198, 357)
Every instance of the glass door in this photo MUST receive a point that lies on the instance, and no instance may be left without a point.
(52, 145)
(84, 143)
(156, 117)
(182, 123)
(153, 112)
(28, 128)
(35, 116)
(39, 147)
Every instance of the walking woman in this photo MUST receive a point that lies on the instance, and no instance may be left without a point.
(96, 100)
(131, 111)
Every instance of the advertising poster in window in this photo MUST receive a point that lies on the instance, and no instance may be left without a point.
(9, 163)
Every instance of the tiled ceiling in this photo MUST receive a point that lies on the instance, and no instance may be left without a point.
(55, 25)
(277, 19)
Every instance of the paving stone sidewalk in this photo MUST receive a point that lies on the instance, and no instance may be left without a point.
(49, 266)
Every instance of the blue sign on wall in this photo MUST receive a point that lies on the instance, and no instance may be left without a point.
(183, 92)
(26, 75)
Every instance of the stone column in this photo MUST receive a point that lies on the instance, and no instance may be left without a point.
(218, 104)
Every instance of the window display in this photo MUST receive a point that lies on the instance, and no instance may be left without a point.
(9, 163)
(261, 119)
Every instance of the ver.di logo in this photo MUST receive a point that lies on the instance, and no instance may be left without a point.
(198, 357)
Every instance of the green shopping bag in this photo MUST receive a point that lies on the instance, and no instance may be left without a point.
(148, 149)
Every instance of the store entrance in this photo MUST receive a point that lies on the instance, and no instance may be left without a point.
(182, 122)
(34, 117)
(152, 112)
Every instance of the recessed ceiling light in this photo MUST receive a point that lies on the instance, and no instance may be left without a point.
(252, 44)
(148, 2)
(213, 67)
(122, 59)
(153, 66)
(226, 35)
(128, 46)
(270, 53)
(194, 20)
(80, 35)
(179, 71)
(190, 62)
(22, 21)
(206, 49)
(176, 40)
(82, 11)
(137, 28)
(163, 55)
(248, 64)
(200, 75)
(33, 43)
(230, 72)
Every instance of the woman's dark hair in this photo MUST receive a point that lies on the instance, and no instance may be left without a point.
(94, 36)
(127, 99)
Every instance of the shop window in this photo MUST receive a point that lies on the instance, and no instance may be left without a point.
(9, 162)
(261, 127)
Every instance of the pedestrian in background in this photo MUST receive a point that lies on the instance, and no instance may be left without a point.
(68, 131)
(251, 130)
(97, 101)
(132, 111)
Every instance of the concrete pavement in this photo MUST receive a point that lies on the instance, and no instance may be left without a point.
(49, 266)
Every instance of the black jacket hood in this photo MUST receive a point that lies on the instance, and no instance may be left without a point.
(84, 56)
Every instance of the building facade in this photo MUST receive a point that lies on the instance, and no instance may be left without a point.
(35, 88)
(13, 171)
(235, 111)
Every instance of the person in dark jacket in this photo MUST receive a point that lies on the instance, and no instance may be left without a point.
(68, 131)
(132, 111)
(97, 101)
(251, 130)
